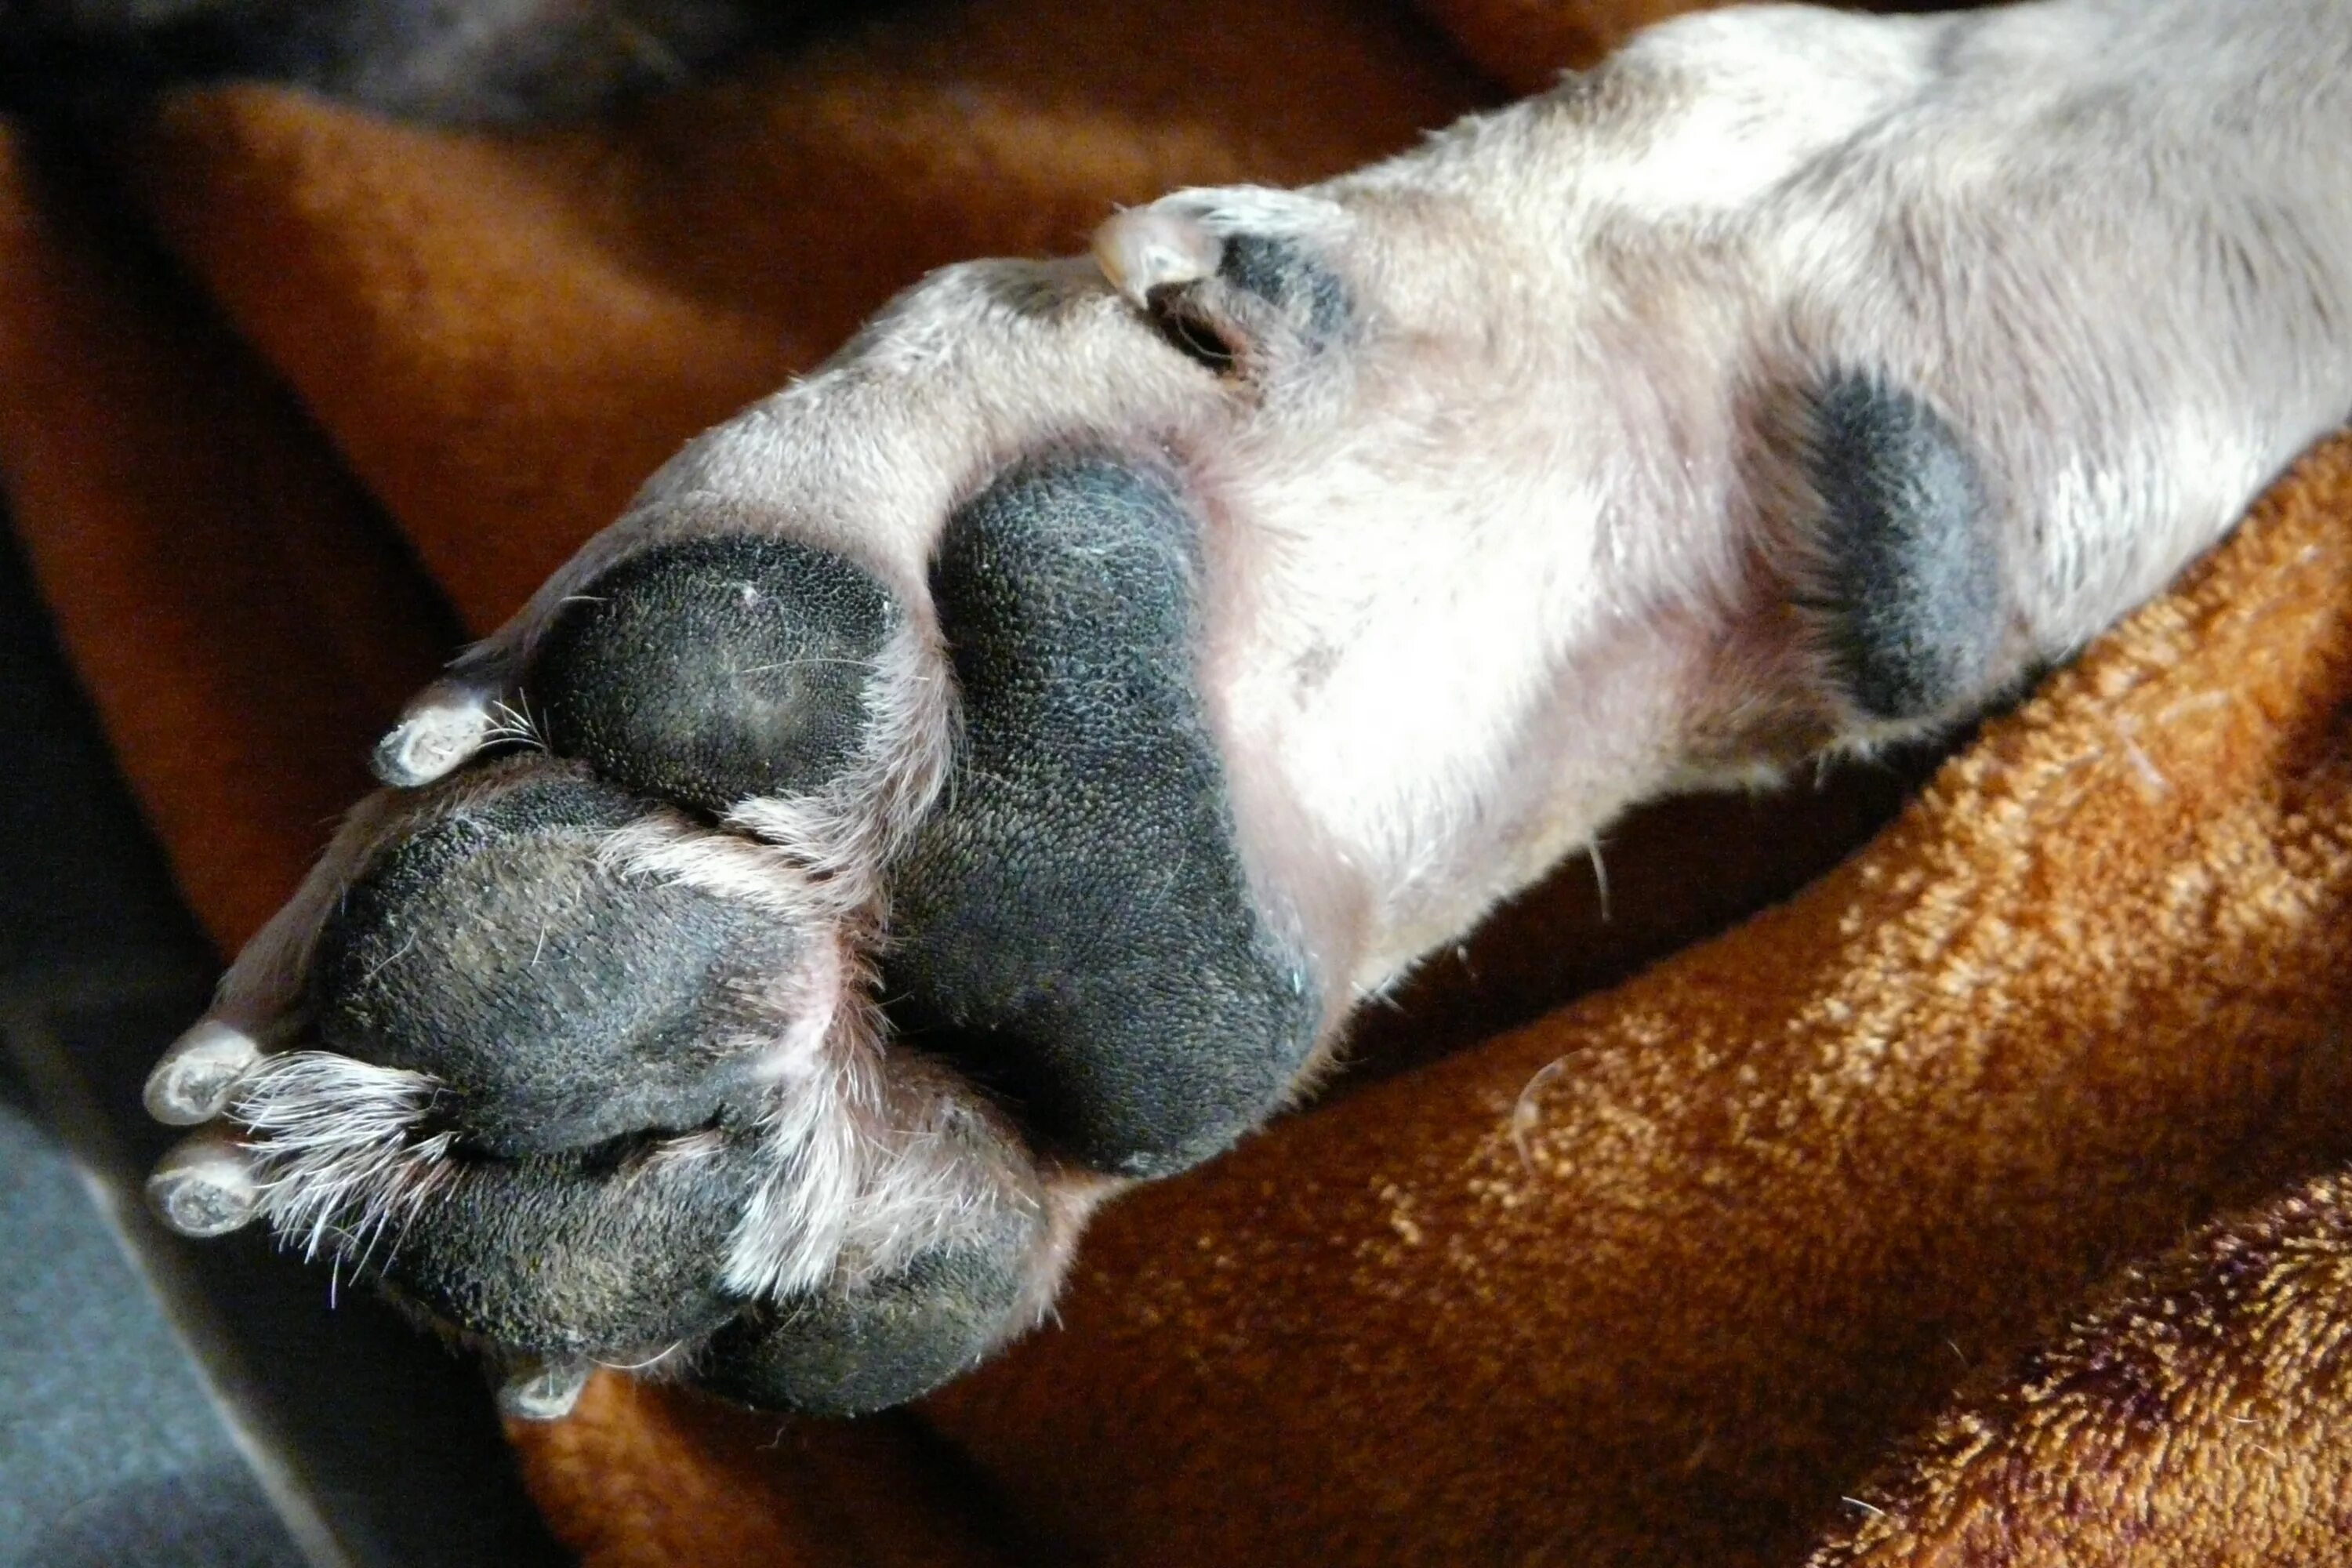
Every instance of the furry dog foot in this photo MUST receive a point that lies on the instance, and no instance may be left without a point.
(589, 1064)
(988, 771)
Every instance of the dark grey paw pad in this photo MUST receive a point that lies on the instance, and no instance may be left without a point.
(710, 670)
(856, 1352)
(607, 1252)
(1075, 920)
(558, 1001)
(1911, 587)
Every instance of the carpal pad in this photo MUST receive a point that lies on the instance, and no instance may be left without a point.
(1912, 588)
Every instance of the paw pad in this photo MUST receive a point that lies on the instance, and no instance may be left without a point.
(711, 671)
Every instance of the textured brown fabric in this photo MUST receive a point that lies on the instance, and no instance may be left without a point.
(637, 1478)
(239, 617)
(2195, 1415)
(1663, 1279)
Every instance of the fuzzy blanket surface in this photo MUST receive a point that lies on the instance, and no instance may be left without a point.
(1983, 1202)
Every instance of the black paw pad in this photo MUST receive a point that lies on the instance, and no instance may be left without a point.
(593, 1254)
(558, 1001)
(1075, 922)
(855, 1352)
(1912, 589)
(713, 670)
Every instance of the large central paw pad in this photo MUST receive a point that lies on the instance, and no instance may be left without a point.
(760, 972)
(1079, 905)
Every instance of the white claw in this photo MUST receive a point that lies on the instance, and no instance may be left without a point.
(444, 725)
(1145, 248)
(541, 1390)
(204, 1187)
(193, 1082)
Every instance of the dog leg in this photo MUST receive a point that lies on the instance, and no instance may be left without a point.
(991, 770)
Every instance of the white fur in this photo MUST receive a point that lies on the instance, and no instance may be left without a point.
(843, 834)
(331, 1143)
(860, 1181)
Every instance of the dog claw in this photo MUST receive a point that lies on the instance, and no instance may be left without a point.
(204, 1187)
(193, 1082)
(443, 728)
(541, 1390)
(1145, 248)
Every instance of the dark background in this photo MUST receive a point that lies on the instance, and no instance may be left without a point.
(166, 1404)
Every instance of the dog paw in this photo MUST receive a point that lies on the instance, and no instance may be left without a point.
(766, 952)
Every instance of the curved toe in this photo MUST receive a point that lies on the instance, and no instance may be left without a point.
(555, 998)
(859, 1351)
(556, 1257)
(708, 671)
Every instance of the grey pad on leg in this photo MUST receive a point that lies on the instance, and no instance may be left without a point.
(1913, 591)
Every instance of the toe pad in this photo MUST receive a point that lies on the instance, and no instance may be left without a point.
(710, 670)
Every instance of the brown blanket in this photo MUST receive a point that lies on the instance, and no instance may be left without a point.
(1974, 1206)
